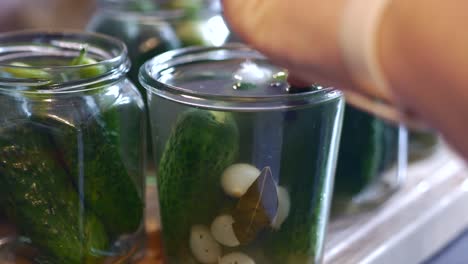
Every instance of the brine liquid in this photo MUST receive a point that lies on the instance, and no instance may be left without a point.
(298, 148)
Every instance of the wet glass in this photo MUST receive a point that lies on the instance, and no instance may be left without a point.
(245, 162)
(72, 141)
(372, 162)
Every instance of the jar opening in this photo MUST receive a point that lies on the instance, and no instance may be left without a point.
(208, 77)
(50, 62)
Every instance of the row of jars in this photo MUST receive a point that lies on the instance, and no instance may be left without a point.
(245, 163)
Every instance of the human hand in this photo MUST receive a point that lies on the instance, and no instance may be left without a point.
(300, 35)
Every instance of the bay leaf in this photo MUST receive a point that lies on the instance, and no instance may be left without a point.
(257, 208)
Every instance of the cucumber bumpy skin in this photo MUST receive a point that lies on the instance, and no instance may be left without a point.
(42, 201)
(202, 144)
(106, 180)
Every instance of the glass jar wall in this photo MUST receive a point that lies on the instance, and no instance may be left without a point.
(72, 140)
(372, 162)
(245, 165)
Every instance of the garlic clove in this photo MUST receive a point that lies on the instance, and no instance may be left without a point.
(236, 258)
(204, 247)
(223, 232)
(237, 179)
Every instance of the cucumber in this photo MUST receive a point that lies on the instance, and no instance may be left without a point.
(191, 33)
(43, 203)
(26, 73)
(95, 136)
(92, 70)
(304, 173)
(108, 179)
(361, 152)
(202, 144)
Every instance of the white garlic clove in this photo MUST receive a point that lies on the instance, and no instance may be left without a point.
(236, 258)
(223, 232)
(238, 178)
(284, 205)
(204, 247)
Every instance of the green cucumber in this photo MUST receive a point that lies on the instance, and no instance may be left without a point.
(95, 136)
(20, 70)
(190, 33)
(361, 152)
(43, 203)
(90, 68)
(202, 144)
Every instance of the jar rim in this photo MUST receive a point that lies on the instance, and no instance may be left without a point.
(16, 44)
(152, 70)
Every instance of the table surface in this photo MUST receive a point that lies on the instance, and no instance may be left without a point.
(456, 252)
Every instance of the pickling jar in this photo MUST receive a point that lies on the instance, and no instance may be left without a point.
(151, 27)
(244, 161)
(72, 150)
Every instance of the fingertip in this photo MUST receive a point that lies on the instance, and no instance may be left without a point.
(297, 82)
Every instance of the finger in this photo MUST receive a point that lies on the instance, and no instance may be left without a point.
(238, 13)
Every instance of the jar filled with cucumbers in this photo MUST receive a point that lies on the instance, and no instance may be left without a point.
(72, 141)
(372, 162)
(245, 163)
(151, 27)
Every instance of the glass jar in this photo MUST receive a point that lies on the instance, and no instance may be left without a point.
(151, 27)
(372, 162)
(72, 140)
(245, 164)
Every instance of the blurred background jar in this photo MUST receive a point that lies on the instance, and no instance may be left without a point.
(72, 139)
(371, 165)
(151, 27)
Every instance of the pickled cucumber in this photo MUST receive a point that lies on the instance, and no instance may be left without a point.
(89, 149)
(42, 201)
(202, 144)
